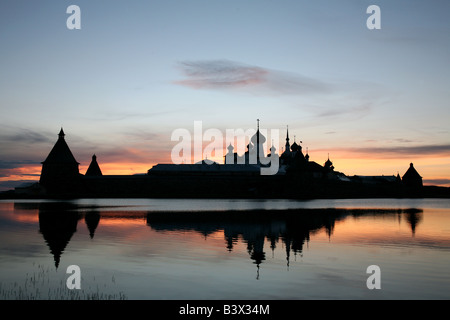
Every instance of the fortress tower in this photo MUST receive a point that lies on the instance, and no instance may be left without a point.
(60, 171)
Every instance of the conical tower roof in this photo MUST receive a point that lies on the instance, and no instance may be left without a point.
(411, 178)
(411, 173)
(60, 154)
(94, 168)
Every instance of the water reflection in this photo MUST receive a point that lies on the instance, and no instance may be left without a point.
(292, 227)
(58, 222)
(92, 219)
(57, 225)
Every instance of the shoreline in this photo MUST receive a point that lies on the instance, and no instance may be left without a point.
(426, 192)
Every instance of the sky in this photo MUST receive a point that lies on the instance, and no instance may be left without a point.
(373, 100)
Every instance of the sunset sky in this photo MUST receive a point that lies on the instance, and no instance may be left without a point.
(374, 100)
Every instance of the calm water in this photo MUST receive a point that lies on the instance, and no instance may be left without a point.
(225, 249)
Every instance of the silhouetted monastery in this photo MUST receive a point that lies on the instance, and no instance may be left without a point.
(238, 177)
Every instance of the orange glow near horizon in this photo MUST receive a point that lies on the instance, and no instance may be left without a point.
(430, 167)
(26, 173)
(355, 231)
(120, 168)
(433, 168)
(366, 229)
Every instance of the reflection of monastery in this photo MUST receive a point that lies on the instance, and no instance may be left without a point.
(239, 177)
(255, 228)
(59, 221)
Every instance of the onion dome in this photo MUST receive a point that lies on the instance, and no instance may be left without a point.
(273, 149)
(328, 163)
(258, 138)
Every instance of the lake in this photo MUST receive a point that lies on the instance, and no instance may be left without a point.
(164, 249)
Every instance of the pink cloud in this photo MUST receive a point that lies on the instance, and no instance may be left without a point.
(225, 74)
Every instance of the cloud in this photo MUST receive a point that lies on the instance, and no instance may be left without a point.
(11, 184)
(121, 116)
(437, 182)
(354, 112)
(230, 75)
(17, 164)
(221, 74)
(27, 136)
(142, 135)
(423, 150)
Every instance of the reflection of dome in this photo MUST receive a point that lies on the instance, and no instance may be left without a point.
(262, 139)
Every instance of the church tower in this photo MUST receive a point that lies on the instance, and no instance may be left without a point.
(60, 171)
(286, 155)
(258, 141)
(412, 178)
(288, 146)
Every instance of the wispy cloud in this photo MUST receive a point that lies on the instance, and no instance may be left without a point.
(231, 75)
(352, 112)
(437, 182)
(26, 136)
(442, 150)
(17, 164)
(127, 115)
(142, 135)
(11, 184)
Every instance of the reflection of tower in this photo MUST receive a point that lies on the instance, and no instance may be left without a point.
(328, 224)
(92, 219)
(287, 243)
(231, 237)
(413, 219)
(273, 242)
(57, 228)
(255, 248)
